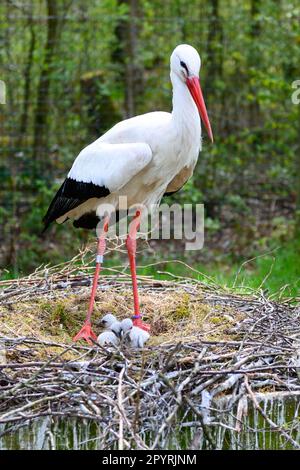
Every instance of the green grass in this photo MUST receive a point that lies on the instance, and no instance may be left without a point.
(277, 272)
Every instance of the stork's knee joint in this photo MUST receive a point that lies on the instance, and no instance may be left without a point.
(131, 244)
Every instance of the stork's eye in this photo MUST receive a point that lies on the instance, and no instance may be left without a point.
(183, 65)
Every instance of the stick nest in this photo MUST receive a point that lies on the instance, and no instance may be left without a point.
(207, 344)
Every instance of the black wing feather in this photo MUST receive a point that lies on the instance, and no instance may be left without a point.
(88, 221)
(70, 195)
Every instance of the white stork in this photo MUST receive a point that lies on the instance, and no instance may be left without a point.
(143, 159)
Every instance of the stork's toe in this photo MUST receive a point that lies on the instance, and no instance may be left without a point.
(140, 324)
(86, 333)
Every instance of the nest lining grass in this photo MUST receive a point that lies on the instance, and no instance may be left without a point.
(173, 315)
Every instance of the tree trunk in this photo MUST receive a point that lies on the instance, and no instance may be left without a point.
(125, 54)
(27, 78)
(214, 45)
(214, 70)
(131, 67)
(42, 107)
(253, 59)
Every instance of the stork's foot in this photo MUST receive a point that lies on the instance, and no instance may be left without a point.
(140, 324)
(86, 333)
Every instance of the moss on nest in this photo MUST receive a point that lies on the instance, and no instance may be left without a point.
(174, 315)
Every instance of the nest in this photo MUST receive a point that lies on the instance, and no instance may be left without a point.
(207, 345)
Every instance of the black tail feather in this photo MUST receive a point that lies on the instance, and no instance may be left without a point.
(70, 195)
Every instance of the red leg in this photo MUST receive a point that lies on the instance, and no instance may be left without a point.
(131, 249)
(86, 331)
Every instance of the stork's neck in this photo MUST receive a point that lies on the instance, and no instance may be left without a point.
(185, 114)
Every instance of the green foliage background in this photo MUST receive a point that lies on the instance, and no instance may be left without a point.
(73, 68)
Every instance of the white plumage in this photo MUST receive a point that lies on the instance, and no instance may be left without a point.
(98, 161)
(136, 336)
(108, 320)
(108, 337)
(112, 333)
(141, 158)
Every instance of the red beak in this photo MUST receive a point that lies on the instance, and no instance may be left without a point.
(194, 87)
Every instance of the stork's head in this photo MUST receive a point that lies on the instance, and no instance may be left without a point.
(126, 325)
(108, 320)
(186, 64)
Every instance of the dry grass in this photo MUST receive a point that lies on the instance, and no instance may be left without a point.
(174, 315)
